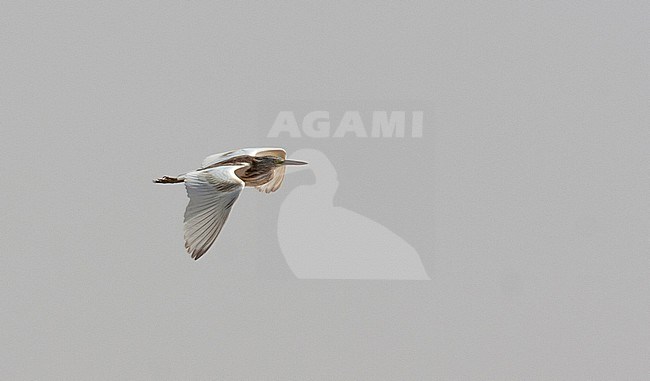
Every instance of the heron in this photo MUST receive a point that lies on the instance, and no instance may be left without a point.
(214, 188)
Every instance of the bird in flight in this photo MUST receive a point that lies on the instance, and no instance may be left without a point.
(215, 187)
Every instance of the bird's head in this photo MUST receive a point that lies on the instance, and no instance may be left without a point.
(281, 161)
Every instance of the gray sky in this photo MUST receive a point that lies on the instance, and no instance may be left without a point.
(526, 198)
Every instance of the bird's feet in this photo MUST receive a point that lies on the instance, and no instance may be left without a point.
(167, 180)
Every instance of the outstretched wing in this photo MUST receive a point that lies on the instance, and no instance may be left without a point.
(212, 193)
(219, 157)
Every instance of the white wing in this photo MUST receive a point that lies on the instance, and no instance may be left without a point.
(212, 193)
(219, 157)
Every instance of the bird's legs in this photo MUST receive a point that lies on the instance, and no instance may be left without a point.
(168, 180)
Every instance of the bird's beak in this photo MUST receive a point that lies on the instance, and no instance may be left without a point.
(294, 162)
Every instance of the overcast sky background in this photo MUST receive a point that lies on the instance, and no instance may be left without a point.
(526, 198)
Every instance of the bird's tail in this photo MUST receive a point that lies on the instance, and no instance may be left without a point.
(168, 180)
